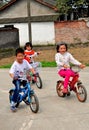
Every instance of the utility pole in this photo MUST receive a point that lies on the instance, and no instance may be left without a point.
(29, 19)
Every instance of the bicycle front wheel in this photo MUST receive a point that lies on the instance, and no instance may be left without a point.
(59, 88)
(38, 82)
(81, 93)
(34, 103)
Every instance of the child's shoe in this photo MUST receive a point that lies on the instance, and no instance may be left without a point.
(13, 108)
(65, 90)
(33, 81)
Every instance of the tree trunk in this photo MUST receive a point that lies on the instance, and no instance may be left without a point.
(72, 16)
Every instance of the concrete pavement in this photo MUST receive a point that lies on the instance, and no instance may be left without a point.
(55, 112)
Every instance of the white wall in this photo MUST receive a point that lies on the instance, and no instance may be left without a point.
(42, 33)
(23, 33)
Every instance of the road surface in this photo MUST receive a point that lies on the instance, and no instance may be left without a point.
(55, 113)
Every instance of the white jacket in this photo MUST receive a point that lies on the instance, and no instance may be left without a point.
(66, 59)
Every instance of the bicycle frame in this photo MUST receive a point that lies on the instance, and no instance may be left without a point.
(26, 91)
(74, 80)
(79, 88)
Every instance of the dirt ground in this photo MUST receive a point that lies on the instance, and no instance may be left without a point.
(80, 53)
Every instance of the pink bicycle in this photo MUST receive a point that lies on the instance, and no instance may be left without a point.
(78, 88)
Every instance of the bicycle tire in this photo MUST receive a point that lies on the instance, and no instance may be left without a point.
(59, 88)
(39, 82)
(81, 90)
(34, 104)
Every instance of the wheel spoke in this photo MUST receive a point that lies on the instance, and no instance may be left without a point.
(81, 93)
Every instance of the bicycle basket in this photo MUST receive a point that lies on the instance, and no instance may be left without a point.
(37, 66)
(75, 68)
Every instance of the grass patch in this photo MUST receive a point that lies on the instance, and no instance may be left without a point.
(48, 64)
(5, 66)
(44, 64)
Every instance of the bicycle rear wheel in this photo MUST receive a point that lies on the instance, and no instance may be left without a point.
(81, 93)
(59, 88)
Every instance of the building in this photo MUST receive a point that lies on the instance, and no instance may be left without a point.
(43, 13)
(45, 27)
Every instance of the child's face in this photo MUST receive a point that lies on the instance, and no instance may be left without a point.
(62, 49)
(20, 57)
(28, 48)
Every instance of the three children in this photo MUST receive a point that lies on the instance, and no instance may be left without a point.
(20, 67)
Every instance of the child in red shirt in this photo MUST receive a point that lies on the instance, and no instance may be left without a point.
(29, 56)
(29, 53)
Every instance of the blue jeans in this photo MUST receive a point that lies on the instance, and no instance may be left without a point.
(17, 84)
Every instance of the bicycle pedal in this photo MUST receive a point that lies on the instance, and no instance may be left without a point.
(32, 91)
(33, 81)
(68, 94)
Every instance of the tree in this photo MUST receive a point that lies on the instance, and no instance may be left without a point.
(62, 6)
(72, 6)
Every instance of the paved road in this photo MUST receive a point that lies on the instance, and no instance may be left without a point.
(55, 112)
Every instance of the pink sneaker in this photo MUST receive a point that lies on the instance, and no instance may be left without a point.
(64, 90)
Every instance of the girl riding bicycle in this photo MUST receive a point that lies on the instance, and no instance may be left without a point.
(29, 53)
(29, 56)
(63, 59)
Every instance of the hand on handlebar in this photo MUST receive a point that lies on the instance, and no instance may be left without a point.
(66, 66)
(38, 53)
(15, 78)
(35, 75)
(82, 66)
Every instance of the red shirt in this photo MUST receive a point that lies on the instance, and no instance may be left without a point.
(28, 54)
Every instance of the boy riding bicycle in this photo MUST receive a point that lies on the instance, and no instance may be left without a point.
(19, 70)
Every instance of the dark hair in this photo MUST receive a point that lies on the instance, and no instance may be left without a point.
(28, 44)
(60, 44)
(19, 50)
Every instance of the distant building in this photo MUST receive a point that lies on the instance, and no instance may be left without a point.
(43, 15)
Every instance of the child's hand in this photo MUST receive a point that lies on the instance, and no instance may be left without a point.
(38, 53)
(65, 66)
(82, 66)
(15, 78)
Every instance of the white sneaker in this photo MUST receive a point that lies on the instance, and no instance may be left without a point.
(12, 106)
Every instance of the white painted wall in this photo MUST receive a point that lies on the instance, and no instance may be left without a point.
(42, 33)
(23, 33)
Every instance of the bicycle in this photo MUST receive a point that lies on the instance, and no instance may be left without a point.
(36, 78)
(79, 88)
(27, 95)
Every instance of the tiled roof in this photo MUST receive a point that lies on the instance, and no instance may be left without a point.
(49, 3)
(7, 4)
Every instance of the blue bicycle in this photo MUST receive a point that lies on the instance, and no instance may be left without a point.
(27, 95)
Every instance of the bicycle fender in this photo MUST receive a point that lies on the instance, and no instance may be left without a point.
(11, 90)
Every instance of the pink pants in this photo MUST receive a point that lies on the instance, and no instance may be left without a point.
(67, 73)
